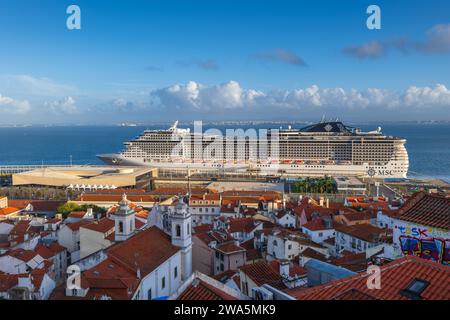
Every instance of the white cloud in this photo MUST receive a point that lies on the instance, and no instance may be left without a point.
(65, 106)
(10, 105)
(197, 97)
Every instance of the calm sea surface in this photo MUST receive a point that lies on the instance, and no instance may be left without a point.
(428, 145)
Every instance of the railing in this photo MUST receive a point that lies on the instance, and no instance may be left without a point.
(9, 169)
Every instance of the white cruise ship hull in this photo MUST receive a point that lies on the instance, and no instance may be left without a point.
(389, 170)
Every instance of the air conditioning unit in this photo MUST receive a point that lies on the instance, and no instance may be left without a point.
(260, 293)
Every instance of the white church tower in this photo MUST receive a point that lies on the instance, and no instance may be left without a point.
(182, 237)
(124, 220)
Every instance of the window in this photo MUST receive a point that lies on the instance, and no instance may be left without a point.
(120, 227)
(290, 247)
(222, 267)
(188, 228)
(320, 234)
(275, 243)
(415, 289)
(149, 294)
(175, 272)
(163, 282)
(178, 230)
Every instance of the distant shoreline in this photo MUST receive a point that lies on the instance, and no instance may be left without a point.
(213, 122)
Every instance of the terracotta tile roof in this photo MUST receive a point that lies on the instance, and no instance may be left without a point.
(116, 198)
(20, 204)
(112, 279)
(22, 227)
(294, 268)
(200, 290)
(43, 251)
(217, 236)
(395, 277)
(53, 221)
(143, 214)
(365, 231)
(45, 205)
(427, 209)
(357, 216)
(8, 210)
(226, 275)
(242, 225)
(146, 250)
(229, 247)
(262, 273)
(77, 214)
(203, 228)
(356, 262)
(103, 225)
(75, 226)
(317, 224)
(205, 196)
(251, 252)
(21, 254)
(168, 191)
(311, 253)
(55, 247)
(138, 224)
(8, 281)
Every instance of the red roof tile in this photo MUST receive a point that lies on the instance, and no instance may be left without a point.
(8, 210)
(262, 273)
(75, 226)
(395, 277)
(365, 231)
(229, 248)
(146, 250)
(21, 254)
(317, 224)
(427, 209)
(103, 225)
(77, 214)
(200, 290)
(8, 281)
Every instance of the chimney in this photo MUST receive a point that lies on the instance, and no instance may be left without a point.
(90, 212)
(284, 268)
(328, 203)
(321, 201)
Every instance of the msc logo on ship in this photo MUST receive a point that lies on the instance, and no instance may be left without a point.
(372, 172)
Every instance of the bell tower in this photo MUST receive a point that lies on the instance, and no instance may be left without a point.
(124, 220)
(182, 237)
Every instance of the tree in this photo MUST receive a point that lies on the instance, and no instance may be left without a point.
(67, 208)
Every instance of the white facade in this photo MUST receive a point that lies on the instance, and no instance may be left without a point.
(344, 241)
(319, 236)
(384, 220)
(163, 281)
(12, 265)
(287, 220)
(69, 238)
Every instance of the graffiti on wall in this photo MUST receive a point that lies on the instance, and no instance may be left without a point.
(426, 243)
(428, 248)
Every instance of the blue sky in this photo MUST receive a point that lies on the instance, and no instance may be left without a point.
(160, 60)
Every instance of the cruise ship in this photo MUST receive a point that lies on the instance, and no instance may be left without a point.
(325, 148)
